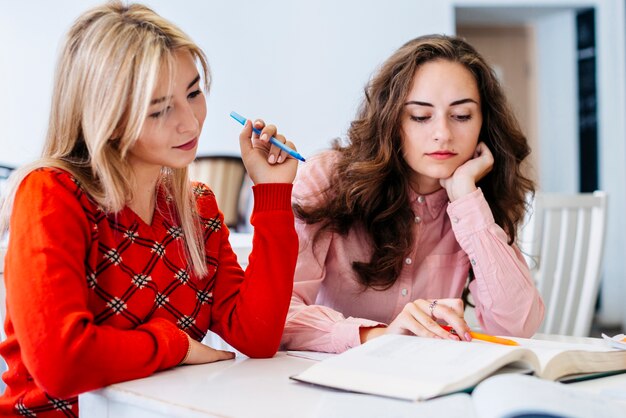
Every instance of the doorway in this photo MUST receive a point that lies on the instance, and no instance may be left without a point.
(510, 51)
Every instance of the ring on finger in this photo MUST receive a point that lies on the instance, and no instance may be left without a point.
(431, 307)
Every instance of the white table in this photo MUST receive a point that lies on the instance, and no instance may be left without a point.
(239, 388)
(242, 387)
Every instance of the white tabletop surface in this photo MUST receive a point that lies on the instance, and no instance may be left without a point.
(244, 387)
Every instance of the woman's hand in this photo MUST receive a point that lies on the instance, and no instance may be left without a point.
(266, 163)
(200, 353)
(463, 180)
(420, 318)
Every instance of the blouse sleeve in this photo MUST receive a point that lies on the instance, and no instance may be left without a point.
(507, 301)
(310, 326)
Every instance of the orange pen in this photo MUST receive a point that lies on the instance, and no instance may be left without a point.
(483, 337)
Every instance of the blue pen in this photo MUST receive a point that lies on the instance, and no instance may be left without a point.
(273, 140)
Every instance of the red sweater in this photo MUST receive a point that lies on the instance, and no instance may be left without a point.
(94, 299)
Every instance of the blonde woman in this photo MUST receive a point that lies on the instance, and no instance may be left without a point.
(117, 266)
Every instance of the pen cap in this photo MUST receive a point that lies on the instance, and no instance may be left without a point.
(238, 117)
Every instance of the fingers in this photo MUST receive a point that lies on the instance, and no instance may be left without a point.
(460, 328)
(278, 154)
(201, 354)
(483, 151)
(259, 124)
(415, 319)
(244, 138)
(454, 304)
(481, 147)
(421, 318)
(478, 150)
(451, 311)
(251, 133)
(275, 154)
(223, 355)
(420, 309)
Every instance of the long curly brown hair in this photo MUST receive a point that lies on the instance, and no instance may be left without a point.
(370, 183)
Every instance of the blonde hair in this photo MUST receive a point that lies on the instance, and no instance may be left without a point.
(106, 74)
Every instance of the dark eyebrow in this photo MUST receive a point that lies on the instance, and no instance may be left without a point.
(415, 102)
(462, 101)
(454, 103)
(156, 101)
(195, 80)
(162, 99)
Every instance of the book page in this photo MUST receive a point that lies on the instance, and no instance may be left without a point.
(518, 395)
(558, 359)
(410, 367)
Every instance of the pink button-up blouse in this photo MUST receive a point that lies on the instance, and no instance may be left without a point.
(328, 305)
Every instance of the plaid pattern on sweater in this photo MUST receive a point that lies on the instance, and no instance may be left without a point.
(134, 277)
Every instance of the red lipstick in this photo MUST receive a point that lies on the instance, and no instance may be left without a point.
(188, 145)
(441, 155)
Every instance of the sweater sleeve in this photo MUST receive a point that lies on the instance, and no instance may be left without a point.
(250, 307)
(311, 326)
(507, 301)
(61, 346)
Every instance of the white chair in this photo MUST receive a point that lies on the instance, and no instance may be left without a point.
(563, 241)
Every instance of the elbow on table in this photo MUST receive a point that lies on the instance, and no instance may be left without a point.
(63, 376)
(262, 350)
(524, 323)
(260, 344)
(59, 388)
(509, 330)
(524, 332)
(533, 320)
(58, 383)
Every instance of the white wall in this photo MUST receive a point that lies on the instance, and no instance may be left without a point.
(611, 67)
(300, 65)
(557, 102)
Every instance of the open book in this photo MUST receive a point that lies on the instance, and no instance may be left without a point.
(414, 368)
(508, 395)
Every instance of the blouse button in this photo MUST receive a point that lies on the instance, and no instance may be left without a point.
(455, 220)
(404, 292)
(420, 199)
(408, 260)
(418, 219)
